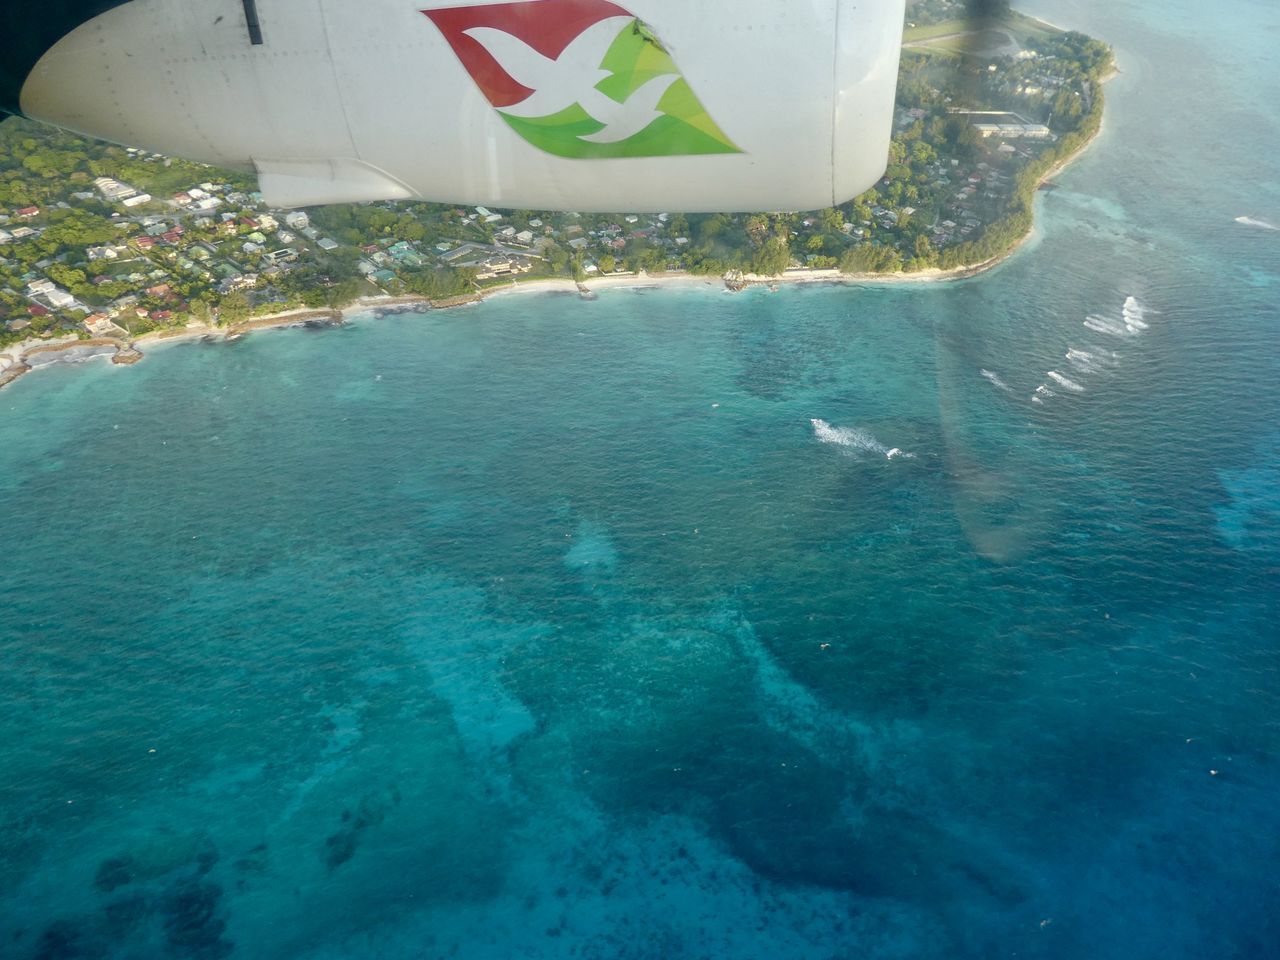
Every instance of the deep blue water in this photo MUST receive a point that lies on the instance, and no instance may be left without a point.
(556, 629)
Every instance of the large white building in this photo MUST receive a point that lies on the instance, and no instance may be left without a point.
(112, 189)
(1007, 126)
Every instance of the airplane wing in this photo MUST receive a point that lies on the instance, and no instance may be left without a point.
(760, 104)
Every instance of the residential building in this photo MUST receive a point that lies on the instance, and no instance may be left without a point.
(113, 190)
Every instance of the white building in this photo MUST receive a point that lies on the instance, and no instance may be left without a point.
(112, 189)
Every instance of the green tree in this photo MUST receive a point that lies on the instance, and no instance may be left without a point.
(234, 308)
(772, 259)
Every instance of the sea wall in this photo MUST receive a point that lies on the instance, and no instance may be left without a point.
(71, 353)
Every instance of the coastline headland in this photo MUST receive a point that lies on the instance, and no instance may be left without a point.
(19, 359)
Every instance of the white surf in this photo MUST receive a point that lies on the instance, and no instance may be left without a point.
(856, 440)
(1134, 312)
(1064, 382)
(1110, 327)
(994, 380)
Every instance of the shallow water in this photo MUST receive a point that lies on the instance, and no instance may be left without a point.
(550, 628)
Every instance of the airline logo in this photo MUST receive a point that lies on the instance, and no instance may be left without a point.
(582, 79)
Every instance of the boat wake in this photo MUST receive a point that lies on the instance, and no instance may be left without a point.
(858, 441)
(1255, 222)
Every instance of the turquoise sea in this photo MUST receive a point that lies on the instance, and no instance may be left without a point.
(554, 629)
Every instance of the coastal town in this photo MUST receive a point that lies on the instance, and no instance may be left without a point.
(100, 243)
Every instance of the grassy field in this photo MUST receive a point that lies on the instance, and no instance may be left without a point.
(1022, 27)
(934, 30)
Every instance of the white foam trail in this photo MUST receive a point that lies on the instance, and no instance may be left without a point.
(1082, 360)
(1255, 222)
(1102, 325)
(1065, 383)
(1134, 312)
(855, 439)
(996, 381)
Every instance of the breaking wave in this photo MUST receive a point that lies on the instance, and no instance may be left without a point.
(1102, 325)
(1082, 360)
(1093, 360)
(1131, 323)
(1042, 394)
(1064, 382)
(1134, 312)
(995, 381)
(1255, 222)
(857, 440)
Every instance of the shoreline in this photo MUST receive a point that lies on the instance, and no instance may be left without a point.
(15, 360)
